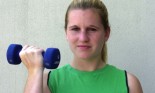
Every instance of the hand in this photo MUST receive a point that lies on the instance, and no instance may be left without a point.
(32, 58)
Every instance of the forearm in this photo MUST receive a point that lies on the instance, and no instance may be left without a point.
(32, 58)
(34, 83)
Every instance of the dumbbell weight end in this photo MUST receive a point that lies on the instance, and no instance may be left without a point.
(51, 58)
(13, 54)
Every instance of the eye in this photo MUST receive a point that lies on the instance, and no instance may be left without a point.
(92, 29)
(75, 29)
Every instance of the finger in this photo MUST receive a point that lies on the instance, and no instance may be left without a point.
(35, 48)
(25, 47)
(31, 47)
(41, 50)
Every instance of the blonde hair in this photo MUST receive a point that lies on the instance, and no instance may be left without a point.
(101, 10)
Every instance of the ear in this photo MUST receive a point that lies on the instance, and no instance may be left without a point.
(107, 33)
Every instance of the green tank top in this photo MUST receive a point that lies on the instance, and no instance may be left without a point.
(108, 79)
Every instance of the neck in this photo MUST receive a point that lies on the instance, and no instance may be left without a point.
(87, 65)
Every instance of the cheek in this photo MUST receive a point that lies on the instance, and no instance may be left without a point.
(70, 38)
(99, 40)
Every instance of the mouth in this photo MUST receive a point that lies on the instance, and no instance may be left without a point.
(84, 47)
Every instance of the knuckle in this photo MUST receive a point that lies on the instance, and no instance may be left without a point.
(30, 50)
(40, 50)
(22, 54)
(34, 51)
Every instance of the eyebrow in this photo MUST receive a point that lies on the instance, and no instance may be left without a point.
(94, 26)
(72, 26)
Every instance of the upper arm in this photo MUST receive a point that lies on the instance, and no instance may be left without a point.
(45, 86)
(134, 84)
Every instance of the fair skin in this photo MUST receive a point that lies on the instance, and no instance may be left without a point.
(86, 37)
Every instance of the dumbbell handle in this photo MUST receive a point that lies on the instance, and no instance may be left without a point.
(51, 58)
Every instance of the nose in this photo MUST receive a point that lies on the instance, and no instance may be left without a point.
(83, 37)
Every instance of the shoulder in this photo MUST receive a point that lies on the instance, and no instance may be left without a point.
(53, 77)
(50, 78)
(134, 84)
(58, 73)
(60, 70)
(115, 70)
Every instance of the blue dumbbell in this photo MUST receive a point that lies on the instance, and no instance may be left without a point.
(51, 57)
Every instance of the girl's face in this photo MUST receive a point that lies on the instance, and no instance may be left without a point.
(85, 33)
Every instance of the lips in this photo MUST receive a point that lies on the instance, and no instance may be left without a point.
(84, 47)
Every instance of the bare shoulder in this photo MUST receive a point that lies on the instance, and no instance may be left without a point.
(134, 84)
(45, 85)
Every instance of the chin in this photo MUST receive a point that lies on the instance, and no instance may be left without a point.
(84, 57)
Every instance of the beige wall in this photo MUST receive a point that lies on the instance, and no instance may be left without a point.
(41, 23)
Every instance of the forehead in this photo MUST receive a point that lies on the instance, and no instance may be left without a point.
(87, 16)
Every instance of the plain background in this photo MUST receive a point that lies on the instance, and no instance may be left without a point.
(41, 23)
